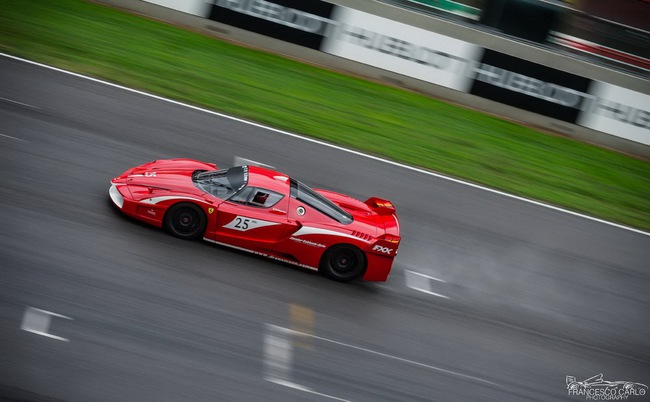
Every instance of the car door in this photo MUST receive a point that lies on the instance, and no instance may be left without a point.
(254, 220)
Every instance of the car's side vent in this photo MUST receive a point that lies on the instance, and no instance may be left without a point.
(361, 235)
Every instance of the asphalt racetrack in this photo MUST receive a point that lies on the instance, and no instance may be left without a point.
(491, 298)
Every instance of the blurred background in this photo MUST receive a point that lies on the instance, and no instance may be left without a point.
(524, 258)
(613, 33)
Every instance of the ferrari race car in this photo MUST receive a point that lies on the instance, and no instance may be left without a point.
(265, 212)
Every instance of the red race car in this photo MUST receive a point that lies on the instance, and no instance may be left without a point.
(265, 212)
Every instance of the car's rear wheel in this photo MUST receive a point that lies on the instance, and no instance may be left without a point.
(186, 221)
(343, 263)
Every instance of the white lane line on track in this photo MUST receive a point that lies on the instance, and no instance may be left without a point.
(422, 282)
(37, 321)
(278, 360)
(13, 138)
(427, 276)
(340, 148)
(277, 329)
(16, 102)
(289, 384)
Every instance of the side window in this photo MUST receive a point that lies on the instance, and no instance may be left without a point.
(242, 196)
(257, 197)
(260, 198)
(265, 198)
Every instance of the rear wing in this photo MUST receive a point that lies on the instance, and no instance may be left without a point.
(388, 243)
(380, 206)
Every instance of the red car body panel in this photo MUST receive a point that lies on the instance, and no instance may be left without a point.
(290, 230)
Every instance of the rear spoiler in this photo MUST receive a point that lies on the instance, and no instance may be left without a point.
(380, 206)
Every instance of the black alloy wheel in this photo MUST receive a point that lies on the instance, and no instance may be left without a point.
(343, 263)
(185, 221)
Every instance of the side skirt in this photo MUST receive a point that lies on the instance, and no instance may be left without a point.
(270, 256)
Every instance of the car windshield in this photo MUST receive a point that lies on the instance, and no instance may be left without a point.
(304, 193)
(222, 183)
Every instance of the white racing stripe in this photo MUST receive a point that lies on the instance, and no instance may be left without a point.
(156, 200)
(307, 230)
(340, 148)
(244, 224)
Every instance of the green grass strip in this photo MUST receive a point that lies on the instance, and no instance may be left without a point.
(103, 42)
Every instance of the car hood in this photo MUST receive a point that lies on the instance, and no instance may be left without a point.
(165, 176)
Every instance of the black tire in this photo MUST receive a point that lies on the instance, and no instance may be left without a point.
(343, 263)
(185, 220)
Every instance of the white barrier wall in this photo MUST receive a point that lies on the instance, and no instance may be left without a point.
(401, 48)
(195, 7)
(618, 111)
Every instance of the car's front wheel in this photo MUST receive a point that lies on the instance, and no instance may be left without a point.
(186, 221)
(343, 263)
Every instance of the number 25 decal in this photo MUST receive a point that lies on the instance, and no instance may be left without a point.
(242, 223)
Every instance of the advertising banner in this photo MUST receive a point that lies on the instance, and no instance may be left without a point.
(401, 48)
(437, 59)
(302, 22)
(617, 111)
(195, 7)
(530, 86)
